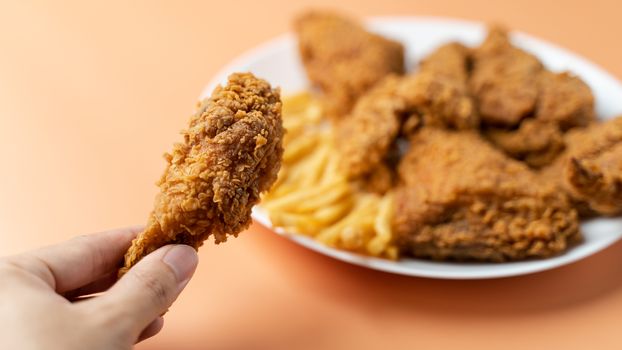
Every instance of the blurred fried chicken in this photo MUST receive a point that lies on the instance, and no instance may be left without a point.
(449, 60)
(434, 96)
(365, 136)
(590, 169)
(504, 80)
(564, 100)
(343, 59)
(535, 142)
(526, 108)
(461, 199)
(437, 94)
(231, 153)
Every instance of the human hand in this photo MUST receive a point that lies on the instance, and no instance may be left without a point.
(40, 293)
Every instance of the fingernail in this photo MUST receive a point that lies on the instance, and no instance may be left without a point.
(183, 260)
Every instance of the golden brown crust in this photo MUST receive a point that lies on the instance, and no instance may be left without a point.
(438, 101)
(526, 107)
(565, 100)
(434, 96)
(366, 135)
(461, 199)
(590, 169)
(231, 153)
(449, 60)
(380, 180)
(535, 142)
(438, 93)
(504, 80)
(343, 59)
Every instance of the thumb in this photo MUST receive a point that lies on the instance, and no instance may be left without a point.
(150, 287)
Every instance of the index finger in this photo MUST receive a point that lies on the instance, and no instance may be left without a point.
(81, 260)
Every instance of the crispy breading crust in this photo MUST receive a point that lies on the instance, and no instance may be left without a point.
(525, 107)
(461, 199)
(365, 136)
(565, 100)
(535, 142)
(438, 93)
(438, 101)
(504, 80)
(231, 153)
(434, 96)
(450, 60)
(590, 169)
(343, 59)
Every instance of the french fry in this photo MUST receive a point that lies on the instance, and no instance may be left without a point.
(296, 104)
(324, 198)
(293, 199)
(353, 238)
(382, 226)
(315, 167)
(314, 112)
(291, 220)
(296, 126)
(329, 214)
(353, 218)
(331, 171)
(299, 148)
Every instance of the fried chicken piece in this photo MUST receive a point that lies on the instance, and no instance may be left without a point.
(438, 92)
(461, 199)
(434, 96)
(366, 135)
(504, 80)
(438, 101)
(590, 169)
(565, 100)
(380, 179)
(231, 153)
(535, 142)
(343, 59)
(449, 60)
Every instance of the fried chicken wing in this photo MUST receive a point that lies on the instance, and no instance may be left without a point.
(462, 199)
(565, 100)
(438, 101)
(434, 96)
(438, 93)
(365, 136)
(343, 59)
(504, 80)
(231, 153)
(590, 169)
(535, 142)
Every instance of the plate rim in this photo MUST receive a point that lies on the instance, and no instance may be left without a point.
(389, 266)
(247, 57)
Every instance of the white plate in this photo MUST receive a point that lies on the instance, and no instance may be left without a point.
(278, 62)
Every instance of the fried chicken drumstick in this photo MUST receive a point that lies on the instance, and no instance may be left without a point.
(231, 153)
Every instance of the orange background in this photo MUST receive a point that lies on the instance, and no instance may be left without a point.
(91, 94)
